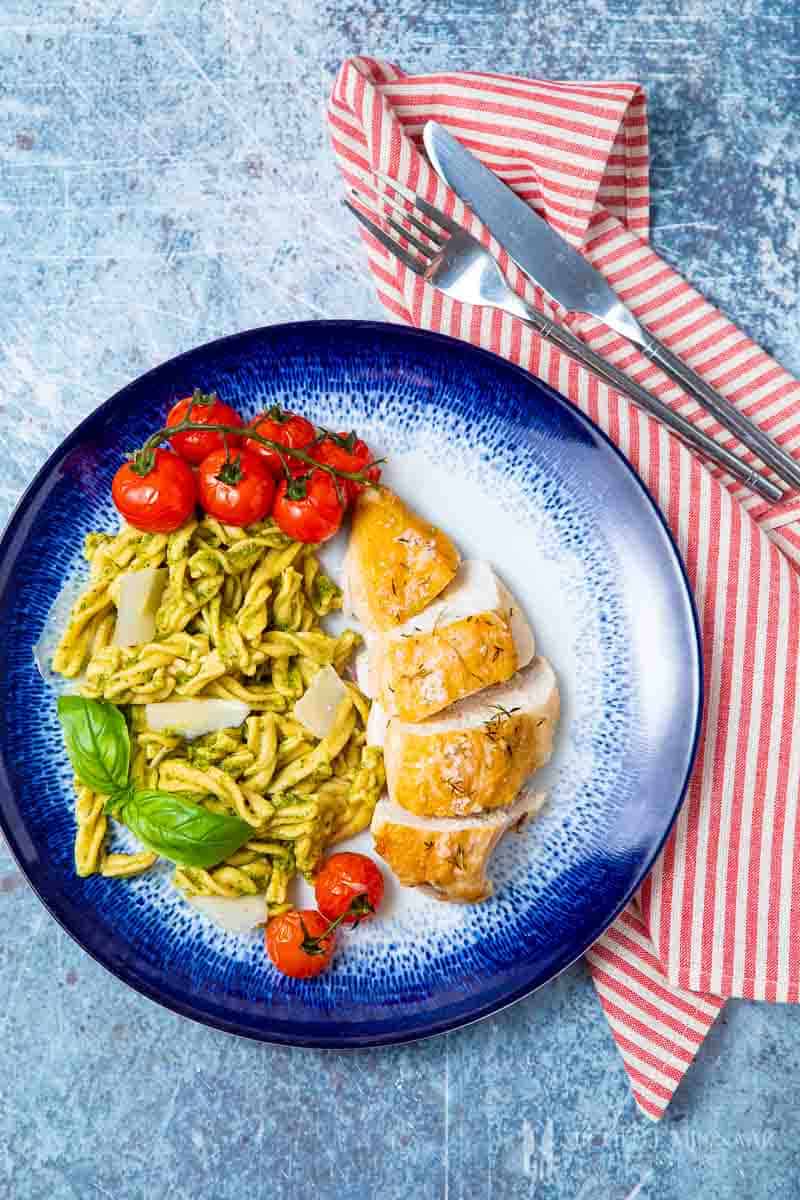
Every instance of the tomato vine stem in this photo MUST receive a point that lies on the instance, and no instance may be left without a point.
(144, 458)
(359, 907)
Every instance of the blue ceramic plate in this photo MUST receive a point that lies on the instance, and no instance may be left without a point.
(516, 476)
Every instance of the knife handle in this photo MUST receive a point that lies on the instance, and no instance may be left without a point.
(726, 413)
(572, 345)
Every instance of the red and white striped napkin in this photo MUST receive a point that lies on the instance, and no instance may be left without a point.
(719, 915)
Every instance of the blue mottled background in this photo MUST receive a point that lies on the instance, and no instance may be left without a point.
(164, 179)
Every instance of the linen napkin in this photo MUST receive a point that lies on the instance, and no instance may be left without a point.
(719, 914)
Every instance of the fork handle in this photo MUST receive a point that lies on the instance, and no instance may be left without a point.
(572, 345)
(726, 413)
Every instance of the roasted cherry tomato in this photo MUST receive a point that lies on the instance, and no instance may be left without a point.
(193, 444)
(161, 500)
(347, 452)
(237, 490)
(310, 507)
(287, 429)
(349, 886)
(299, 944)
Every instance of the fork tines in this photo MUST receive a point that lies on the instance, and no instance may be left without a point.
(386, 240)
(443, 224)
(434, 214)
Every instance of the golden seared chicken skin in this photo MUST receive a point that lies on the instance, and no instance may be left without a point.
(446, 856)
(396, 562)
(478, 754)
(472, 637)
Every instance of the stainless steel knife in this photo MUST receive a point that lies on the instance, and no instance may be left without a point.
(577, 286)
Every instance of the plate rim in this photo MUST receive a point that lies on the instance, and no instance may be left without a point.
(432, 1027)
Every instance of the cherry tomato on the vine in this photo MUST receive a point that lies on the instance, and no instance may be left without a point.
(287, 429)
(310, 507)
(349, 886)
(299, 944)
(193, 444)
(346, 452)
(159, 501)
(237, 490)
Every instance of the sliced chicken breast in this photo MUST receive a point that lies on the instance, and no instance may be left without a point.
(476, 755)
(446, 856)
(396, 562)
(473, 636)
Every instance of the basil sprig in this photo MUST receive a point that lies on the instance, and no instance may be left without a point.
(169, 824)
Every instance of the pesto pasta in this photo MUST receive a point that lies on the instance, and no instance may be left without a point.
(239, 618)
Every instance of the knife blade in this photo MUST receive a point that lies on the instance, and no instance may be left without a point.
(577, 286)
(536, 248)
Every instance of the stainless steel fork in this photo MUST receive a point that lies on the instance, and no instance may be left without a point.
(452, 260)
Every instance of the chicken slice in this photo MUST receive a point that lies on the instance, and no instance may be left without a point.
(476, 755)
(396, 562)
(446, 856)
(473, 636)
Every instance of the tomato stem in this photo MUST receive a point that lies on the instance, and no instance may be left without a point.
(187, 424)
(231, 470)
(296, 487)
(359, 907)
(313, 945)
(143, 461)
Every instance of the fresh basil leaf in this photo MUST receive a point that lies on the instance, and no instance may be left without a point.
(97, 742)
(175, 828)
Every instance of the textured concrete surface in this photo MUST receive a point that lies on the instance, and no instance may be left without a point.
(164, 179)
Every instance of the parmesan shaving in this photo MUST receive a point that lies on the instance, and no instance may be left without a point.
(192, 718)
(318, 707)
(238, 914)
(137, 595)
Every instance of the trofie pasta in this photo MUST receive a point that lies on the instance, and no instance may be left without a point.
(239, 619)
(210, 713)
